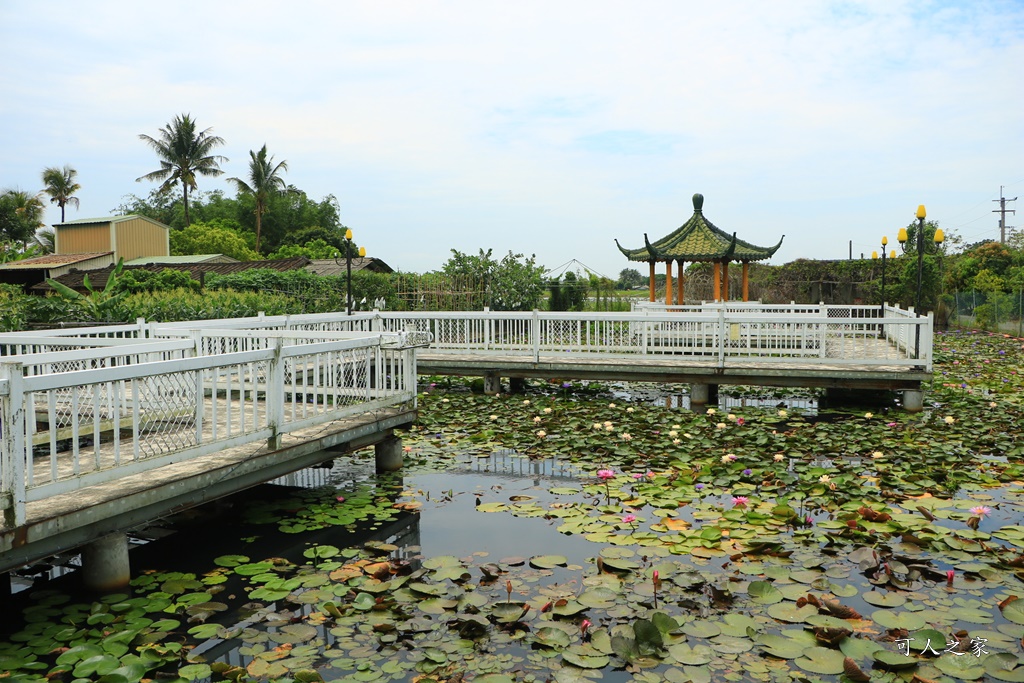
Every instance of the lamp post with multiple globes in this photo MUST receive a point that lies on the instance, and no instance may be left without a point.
(348, 269)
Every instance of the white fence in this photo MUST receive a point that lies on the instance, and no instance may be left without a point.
(70, 419)
(822, 335)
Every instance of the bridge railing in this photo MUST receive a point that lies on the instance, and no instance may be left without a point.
(64, 430)
(854, 335)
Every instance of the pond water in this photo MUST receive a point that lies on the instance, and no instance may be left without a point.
(578, 536)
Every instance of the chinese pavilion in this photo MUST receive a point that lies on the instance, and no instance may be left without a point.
(698, 240)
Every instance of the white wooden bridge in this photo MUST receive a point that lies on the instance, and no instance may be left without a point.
(108, 427)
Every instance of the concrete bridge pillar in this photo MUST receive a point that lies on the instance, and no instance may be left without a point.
(105, 564)
(913, 400)
(516, 385)
(388, 455)
(492, 383)
(698, 395)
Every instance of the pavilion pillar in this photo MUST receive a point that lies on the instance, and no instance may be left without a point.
(746, 281)
(652, 282)
(725, 280)
(668, 282)
(679, 279)
(716, 289)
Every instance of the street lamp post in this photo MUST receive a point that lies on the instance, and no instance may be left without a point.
(920, 268)
(881, 304)
(348, 269)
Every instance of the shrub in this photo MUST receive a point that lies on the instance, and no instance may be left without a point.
(185, 304)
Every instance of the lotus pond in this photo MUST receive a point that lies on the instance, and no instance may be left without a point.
(572, 535)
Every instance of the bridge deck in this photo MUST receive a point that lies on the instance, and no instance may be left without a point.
(70, 519)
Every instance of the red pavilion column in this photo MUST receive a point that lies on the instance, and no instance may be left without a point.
(725, 281)
(746, 281)
(652, 282)
(716, 274)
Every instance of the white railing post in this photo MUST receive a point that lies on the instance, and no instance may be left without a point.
(535, 335)
(488, 325)
(927, 339)
(12, 445)
(275, 395)
(376, 323)
(721, 336)
(142, 332)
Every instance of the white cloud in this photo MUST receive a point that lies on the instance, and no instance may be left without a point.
(541, 127)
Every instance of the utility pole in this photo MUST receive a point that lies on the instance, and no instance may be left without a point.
(1002, 211)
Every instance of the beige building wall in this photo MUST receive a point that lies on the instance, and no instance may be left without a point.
(83, 239)
(138, 237)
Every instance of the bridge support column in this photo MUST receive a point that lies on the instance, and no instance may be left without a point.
(492, 383)
(913, 400)
(388, 455)
(105, 564)
(698, 395)
(516, 385)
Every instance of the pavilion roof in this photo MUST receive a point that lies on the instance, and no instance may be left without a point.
(698, 239)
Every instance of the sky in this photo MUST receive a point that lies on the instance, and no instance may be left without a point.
(547, 128)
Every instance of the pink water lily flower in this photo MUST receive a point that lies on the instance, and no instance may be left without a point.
(629, 519)
(605, 475)
(981, 511)
(740, 501)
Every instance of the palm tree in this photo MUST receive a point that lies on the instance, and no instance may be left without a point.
(21, 214)
(264, 180)
(183, 154)
(61, 186)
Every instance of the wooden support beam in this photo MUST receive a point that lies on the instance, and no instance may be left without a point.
(725, 280)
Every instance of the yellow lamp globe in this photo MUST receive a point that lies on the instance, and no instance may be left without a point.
(885, 240)
(939, 237)
(874, 254)
(348, 234)
(902, 236)
(362, 252)
(921, 213)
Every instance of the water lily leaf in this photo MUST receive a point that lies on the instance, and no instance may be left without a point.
(492, 507)
(962, 667)
(764, 593)
(701, 629)
(586, 661)
(910, 621)
(691, 656)
(494, 678)
(1013, 611)
(563, 490)
(894, 660)
(230, 560)
(195, 672)
(731, 645)
(598, 597)
(553, 637)
(98, 664)
(790, 613)
(568, 608)
(781, 646)
(887, 599)
(548, 561)
(821, 660)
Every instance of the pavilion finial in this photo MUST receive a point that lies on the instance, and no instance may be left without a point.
(698, 202)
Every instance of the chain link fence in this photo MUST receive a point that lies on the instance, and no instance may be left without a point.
(993, 311)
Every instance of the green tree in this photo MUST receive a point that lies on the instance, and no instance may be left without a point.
(314, 249)
(630, 278)
(515, 283)
(264, 180)
(60, 184)
(289, 214)
(184, 153)
(216, 237)
(21, 214)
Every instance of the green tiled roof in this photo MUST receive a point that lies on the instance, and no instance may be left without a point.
(699, 240)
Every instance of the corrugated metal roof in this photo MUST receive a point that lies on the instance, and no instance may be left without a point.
(191, 258)
(109, 219)
(74, 278)
(326, 266)
(52, 261)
